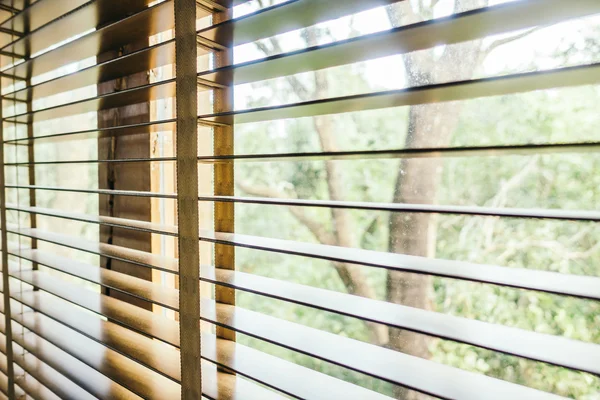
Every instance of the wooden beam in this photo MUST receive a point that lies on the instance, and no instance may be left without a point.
(126, 176)
(31, 171)
(224, 172)
(187, 198)
(5, 282)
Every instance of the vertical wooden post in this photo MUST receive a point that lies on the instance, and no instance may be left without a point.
(5, 281)
(187, 198)
(224, 172)
(125, 176)
(31, 170)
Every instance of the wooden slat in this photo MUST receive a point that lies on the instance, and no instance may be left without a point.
(294, 380)
(285, 17)
(124, 283)
(139, 61)
(256, 365)
(128, 315)
(395, 367)
(423, 152)
(121, 369)
(129, 64)
(108, 192)
(61, 25)
(35, 389)
(48, 377)
(456, 28)
(427, 94)
(536, 346)
(81, 374)
(398, 153)
(128, 373)
(4, 387)
(122, 31)
(136, 257)
(558, 214)
(553, 282)
(100, 219)
(566, 284)
(142, 94)
(36, 16)
(28, 383)
(146, 128)
(20, 393)
(140, 348)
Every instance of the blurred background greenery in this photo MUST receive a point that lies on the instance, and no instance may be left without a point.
(560, 180)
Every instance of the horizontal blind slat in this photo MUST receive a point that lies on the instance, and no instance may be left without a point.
(142, 349)
(141, 288)
(131, 375)
(509, 212)
(273, 372)
(88, 15)
(462, 27)
(425, 152)
(284, 17)
(154, 91)
(427, 94)
(541, 347)
(449, 382)
(558, 214)
(70, 367)
(28, 383)
(144, 321)
(122, 130)
(572, 285)
(47, 376)
(100, 219)
(137, 257)
(139, 61)
(125, 30)
(282, 375)
(567, 284)
(97, 191)
(37, 15)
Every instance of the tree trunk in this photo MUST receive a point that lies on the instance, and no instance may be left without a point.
(414, 233)
(430, 125)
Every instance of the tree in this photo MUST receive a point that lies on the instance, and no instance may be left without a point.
(417, 180)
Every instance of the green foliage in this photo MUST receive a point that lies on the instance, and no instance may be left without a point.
(561, 180)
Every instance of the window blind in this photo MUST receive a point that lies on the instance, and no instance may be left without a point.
(269, 200)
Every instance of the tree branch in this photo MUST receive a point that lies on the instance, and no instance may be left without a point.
(344, 234)
(501, 42)
(351, 276)
(315, 227)
(297, 86)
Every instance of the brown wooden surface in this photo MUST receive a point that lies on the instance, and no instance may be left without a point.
(4, 243)
(42, 373)
(87, 378)
(152, 292)
(122, 254)
(192, 376)
(224, 213)
(25, 381)
(125, 176)
(123, 313)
